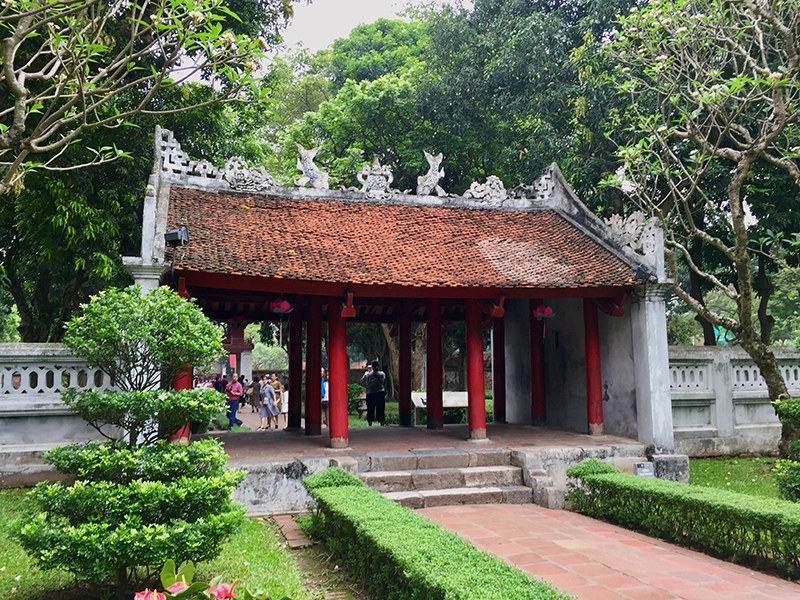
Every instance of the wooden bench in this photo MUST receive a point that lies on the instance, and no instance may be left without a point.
(449, 400)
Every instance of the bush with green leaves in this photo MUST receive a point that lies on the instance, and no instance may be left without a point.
(131, 509)
(403, 555)
(787, 472)
(143, 341)
(732, 526)
(136, 500)
(354, 391)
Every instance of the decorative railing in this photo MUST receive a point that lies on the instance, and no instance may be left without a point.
(718, 395)
(38, 373)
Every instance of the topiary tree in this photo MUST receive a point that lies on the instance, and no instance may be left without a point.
(137, 500)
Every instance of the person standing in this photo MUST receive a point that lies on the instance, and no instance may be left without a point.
(269, 406)
(234, 393)
(254, 392)
(324, 395)
(373, 382)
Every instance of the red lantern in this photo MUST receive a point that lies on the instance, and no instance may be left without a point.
(280, 306)
(543, 312)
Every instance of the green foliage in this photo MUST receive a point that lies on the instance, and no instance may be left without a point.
(163, 461)
(120, 525)
(354, 391)
(732, 526)
(179, 585)
(143, 340)
(787, 476)
(591, 466)
(406, 556)
(332, 477)
(789, 412)
(143, 417)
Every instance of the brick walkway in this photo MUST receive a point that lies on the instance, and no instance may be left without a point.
(596, 561)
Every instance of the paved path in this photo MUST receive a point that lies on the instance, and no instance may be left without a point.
(596, 561)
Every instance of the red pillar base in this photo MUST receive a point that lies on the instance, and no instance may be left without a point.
(339, 442)
(437, 424)
(595, 429)
(538, 420)
(477, 434)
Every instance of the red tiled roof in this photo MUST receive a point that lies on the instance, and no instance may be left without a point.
(372, 243)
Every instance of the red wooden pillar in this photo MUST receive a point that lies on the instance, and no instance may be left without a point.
(296, 364)
(182, 381)
(538, 398)
(433, 390)
(337, 374)
(314, 367)
(476, 393)
(404, 364)
(499, 370)
(594, 378)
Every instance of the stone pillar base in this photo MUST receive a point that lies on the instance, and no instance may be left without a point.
(339, 442)
(435, 424)
(595, 429)
(477, 434)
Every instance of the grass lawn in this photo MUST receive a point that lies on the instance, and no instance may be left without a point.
(254, 556)
(744, 475)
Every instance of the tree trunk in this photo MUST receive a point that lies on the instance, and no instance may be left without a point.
(696, 292)
(394, 359)
(418, 355)
(765, 290)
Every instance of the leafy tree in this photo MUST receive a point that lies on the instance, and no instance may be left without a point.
(76, 65)
(724, 78)
(143, 341)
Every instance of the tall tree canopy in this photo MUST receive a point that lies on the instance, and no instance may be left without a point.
(714, 91)
(71, 66)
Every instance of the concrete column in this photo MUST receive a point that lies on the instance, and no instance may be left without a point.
(433, 390)
(594, 376)
(476, 394)
(651, 368)
(296, 364)
(499, 370)
(337, 374)
(246, 365)
(517, 360)
(538, 396)
(148, 277)
(404, 364)
(314, 367)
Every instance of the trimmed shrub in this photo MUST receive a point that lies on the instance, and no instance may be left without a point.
(732, 526)
(787, 472)
(403, 555)
(332, 477)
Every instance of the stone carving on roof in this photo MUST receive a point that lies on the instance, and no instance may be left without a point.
(430, 181)
(636, 233)
(175, 160)
(493, 192)
(311, 173)
(376, 180)
(538, 190)
(244, 178)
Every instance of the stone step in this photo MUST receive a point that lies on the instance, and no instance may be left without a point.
(436, 479)
(434, 458)
(515, 494)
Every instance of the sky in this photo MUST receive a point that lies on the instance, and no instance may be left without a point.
(319, 23)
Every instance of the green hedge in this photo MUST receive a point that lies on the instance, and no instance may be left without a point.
(403, 556)
(732, 526)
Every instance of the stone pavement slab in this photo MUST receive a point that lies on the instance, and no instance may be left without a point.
(596, 561)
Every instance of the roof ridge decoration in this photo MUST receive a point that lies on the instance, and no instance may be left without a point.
(538, 190)
(430, 181)
(311, 173)
(175, 160)
(493, 192)
(376, 180)
(636, 233)
(245, 178)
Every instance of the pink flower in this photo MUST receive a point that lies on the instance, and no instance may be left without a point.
(149, 595)
(221, 591)
(542, 312)
(176, 587)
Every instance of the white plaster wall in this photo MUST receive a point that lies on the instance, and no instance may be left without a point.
(518, 362)
(565, 366)
(619, 381)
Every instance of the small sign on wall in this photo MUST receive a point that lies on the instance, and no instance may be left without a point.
(643, 469)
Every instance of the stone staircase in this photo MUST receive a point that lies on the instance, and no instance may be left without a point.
(424, 478)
